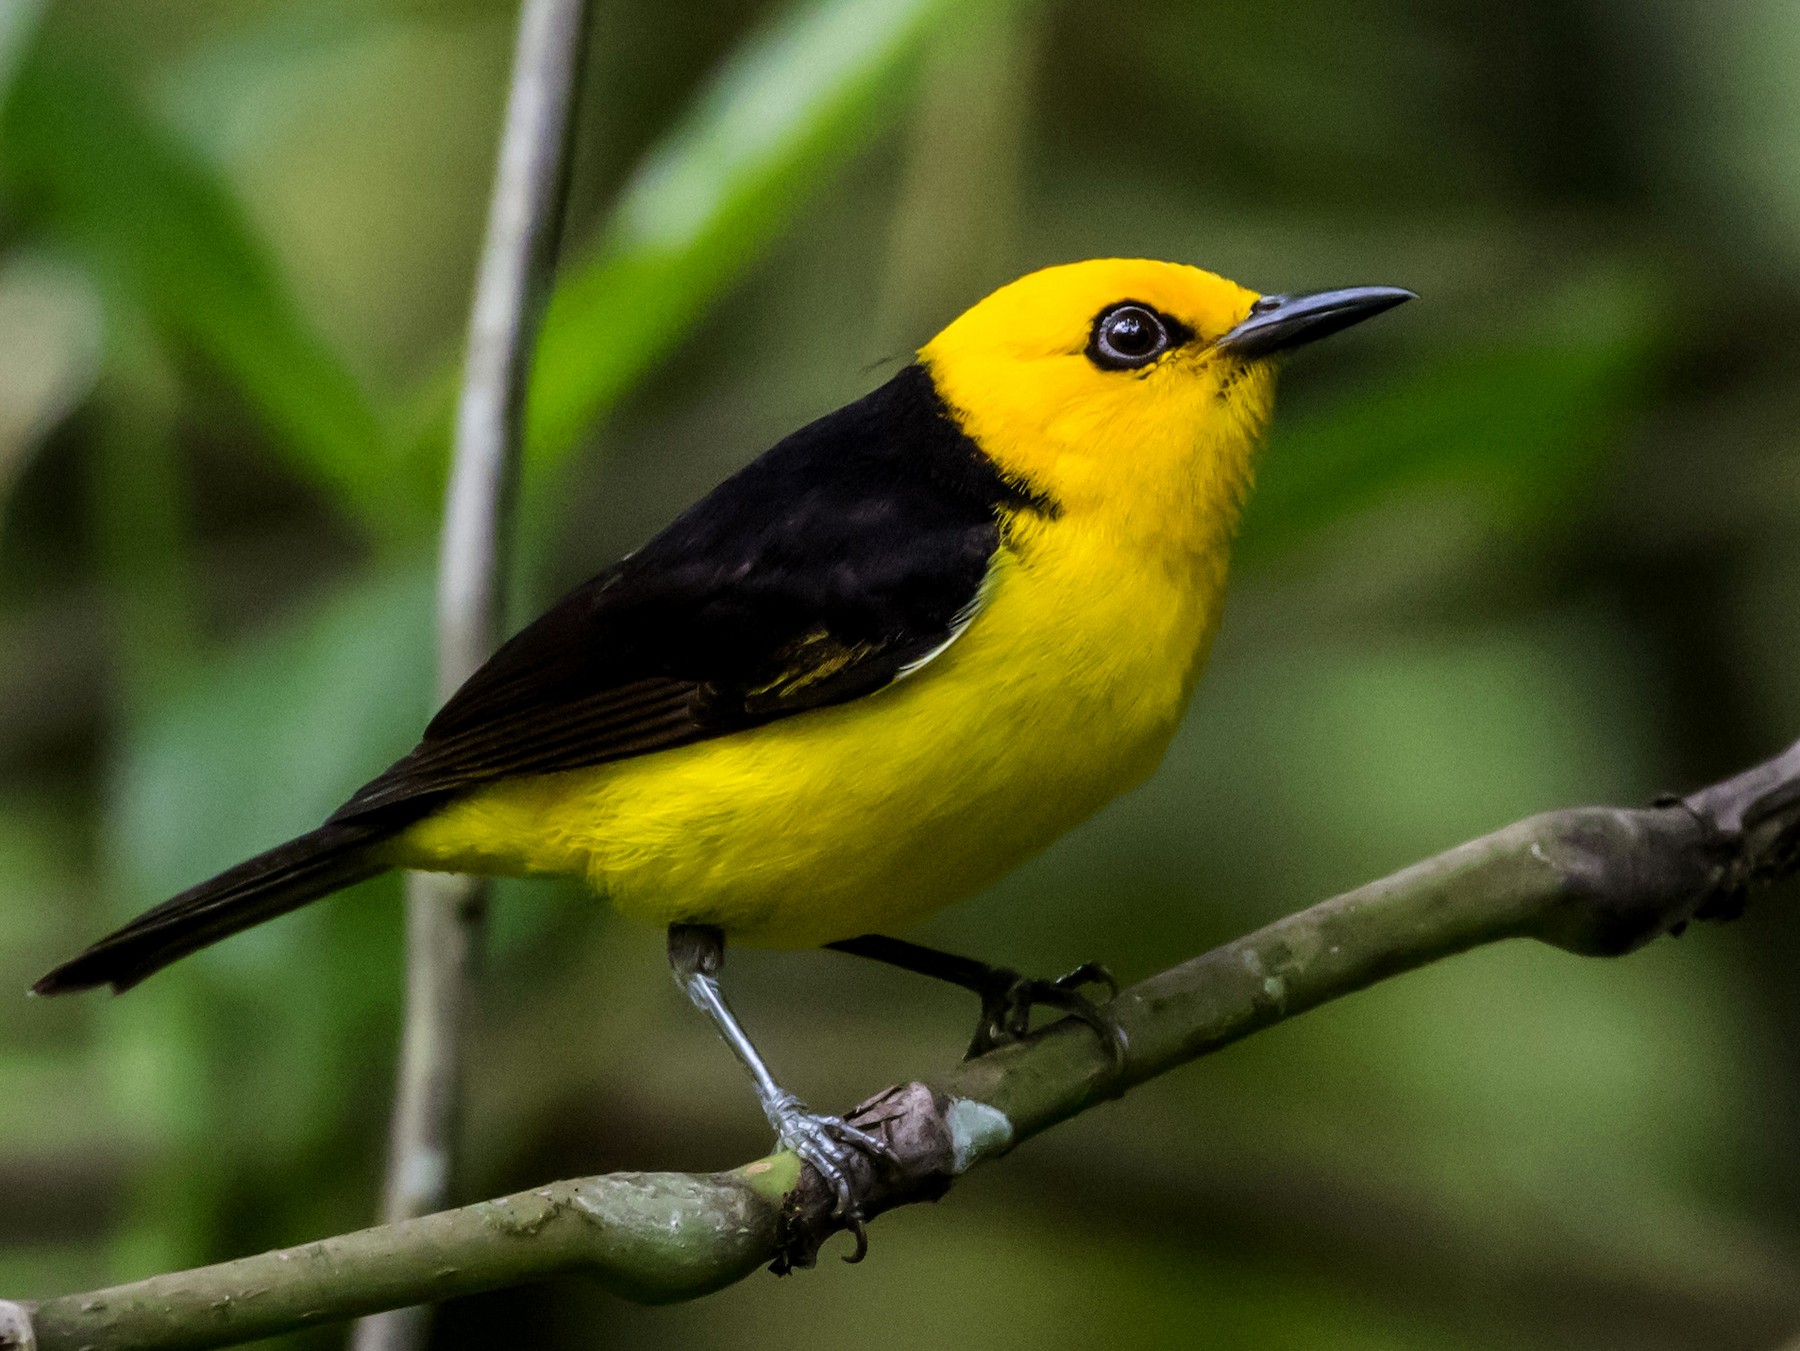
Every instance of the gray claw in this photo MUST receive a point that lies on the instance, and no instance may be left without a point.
(828, 1143)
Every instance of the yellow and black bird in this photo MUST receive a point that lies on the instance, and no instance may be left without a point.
(903, 650)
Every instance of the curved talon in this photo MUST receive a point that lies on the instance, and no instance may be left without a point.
(1007, 997)
(855, 1225)
(828, 1143)
(1007, 1002)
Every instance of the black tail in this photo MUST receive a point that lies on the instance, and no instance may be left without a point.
(286, 878)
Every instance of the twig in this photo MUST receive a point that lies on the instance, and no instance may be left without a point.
(445, 915)
(1598, 881)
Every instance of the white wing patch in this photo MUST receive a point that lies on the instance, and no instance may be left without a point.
(959, 625)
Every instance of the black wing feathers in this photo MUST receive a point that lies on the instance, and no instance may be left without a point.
(273, 883)
(813, 576)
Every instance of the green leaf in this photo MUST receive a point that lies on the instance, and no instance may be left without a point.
(51, 336)
(257, 745)
(18, 21)
(783, 115)
(81, 162)
(265, 740)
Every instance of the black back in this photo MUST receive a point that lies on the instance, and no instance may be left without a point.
(813, 576)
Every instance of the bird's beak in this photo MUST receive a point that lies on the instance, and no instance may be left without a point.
(1277, 323)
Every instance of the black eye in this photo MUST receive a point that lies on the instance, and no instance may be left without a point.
(1127, 335)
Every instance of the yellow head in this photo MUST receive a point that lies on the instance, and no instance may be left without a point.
(1131, 392)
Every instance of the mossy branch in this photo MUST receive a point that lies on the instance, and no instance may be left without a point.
(1598, 881)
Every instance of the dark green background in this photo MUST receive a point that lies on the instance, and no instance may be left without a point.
(1525, 543)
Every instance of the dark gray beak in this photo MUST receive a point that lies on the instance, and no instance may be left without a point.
(1277, 323)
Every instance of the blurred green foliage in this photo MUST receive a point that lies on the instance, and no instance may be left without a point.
(1527, 543)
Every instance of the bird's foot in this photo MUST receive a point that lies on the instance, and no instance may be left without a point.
(830, 1144)
(1007, 999)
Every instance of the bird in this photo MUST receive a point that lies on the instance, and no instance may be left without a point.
(901, 651)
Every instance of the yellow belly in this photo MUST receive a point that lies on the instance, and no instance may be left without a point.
(1062, 693)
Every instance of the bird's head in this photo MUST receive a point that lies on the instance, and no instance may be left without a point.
(1130, 388)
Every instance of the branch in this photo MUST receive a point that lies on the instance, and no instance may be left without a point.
(446, 915)
(1598, 881)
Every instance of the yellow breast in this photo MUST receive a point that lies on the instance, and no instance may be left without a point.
(1062, 693)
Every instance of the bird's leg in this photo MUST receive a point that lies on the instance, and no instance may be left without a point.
(1007, 998)
(696, 955)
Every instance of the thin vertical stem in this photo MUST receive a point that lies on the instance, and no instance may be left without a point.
(445, 915)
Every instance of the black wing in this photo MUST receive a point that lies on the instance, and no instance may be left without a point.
(817, 574)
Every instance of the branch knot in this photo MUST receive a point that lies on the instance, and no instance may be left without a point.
(912, 1119)
(1752, 825)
